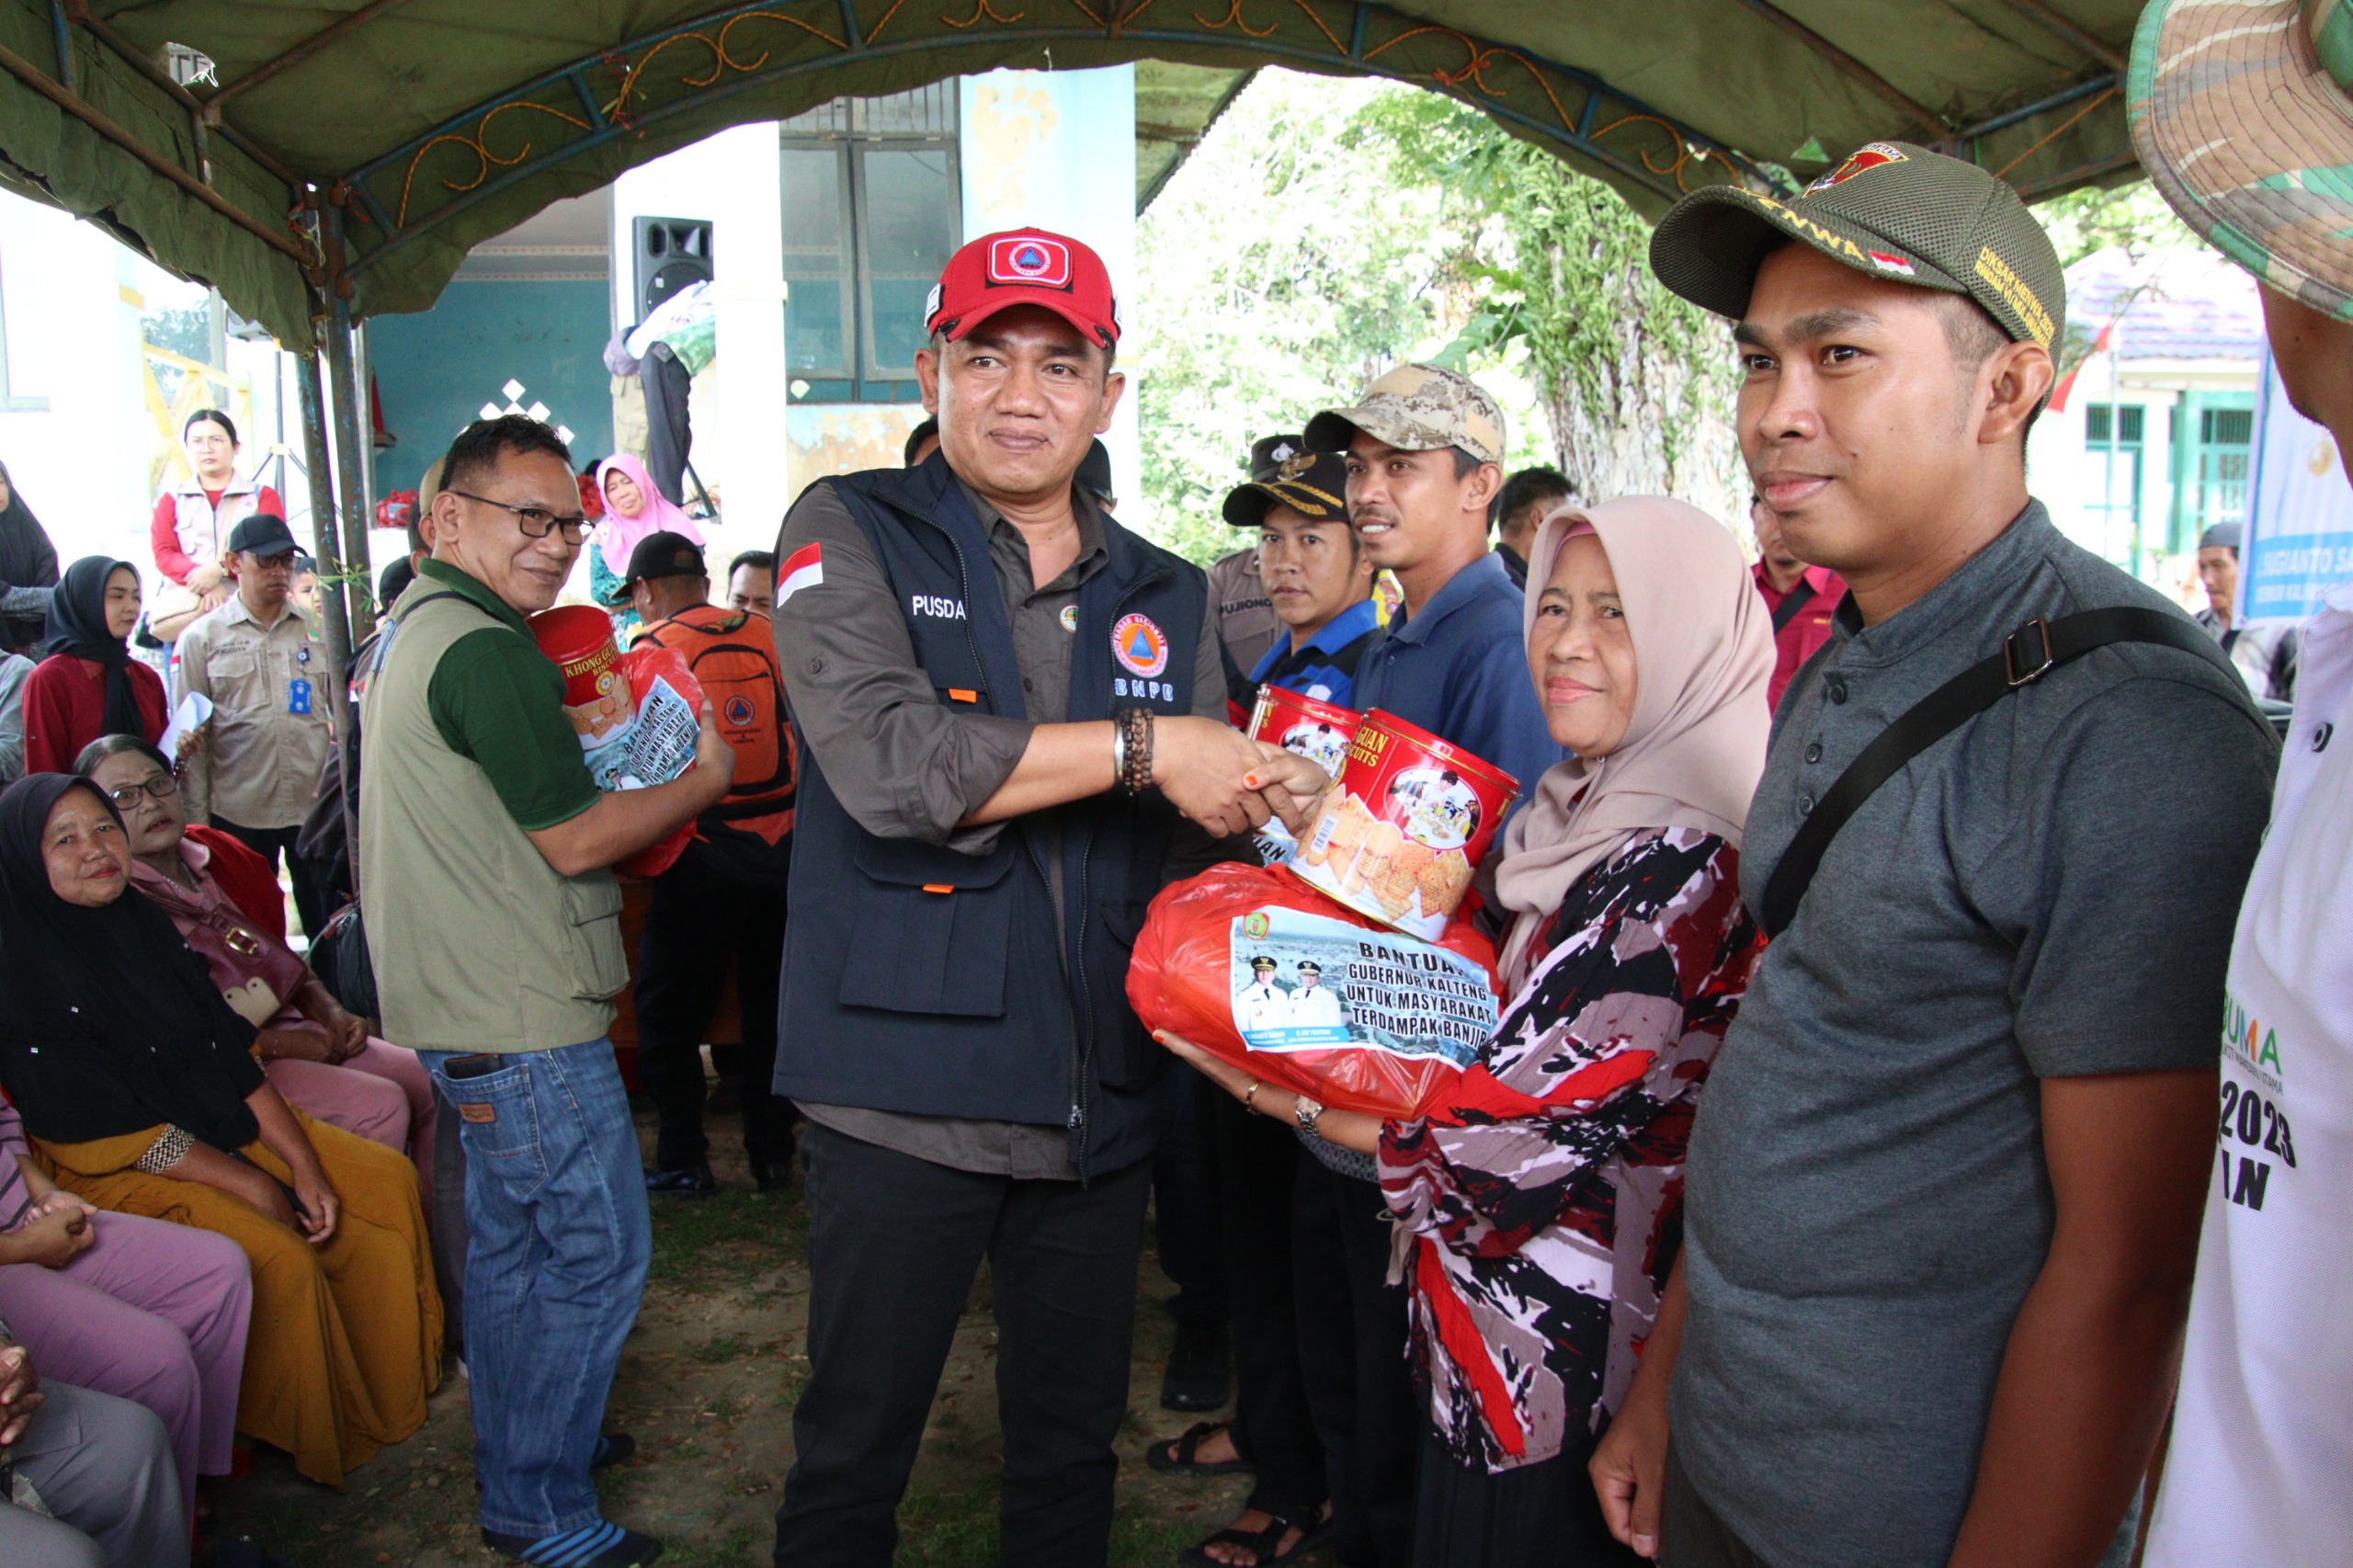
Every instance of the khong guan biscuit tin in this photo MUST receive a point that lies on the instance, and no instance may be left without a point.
(1320, 731)
(596, 695)
(1410, 821)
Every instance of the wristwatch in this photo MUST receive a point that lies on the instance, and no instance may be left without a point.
(1307, 1111)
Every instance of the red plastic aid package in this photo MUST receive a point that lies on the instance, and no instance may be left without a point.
(636, 714)
(1267, 975)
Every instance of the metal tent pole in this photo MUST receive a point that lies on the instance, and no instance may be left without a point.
(325, 544)
(332, 573)
(349, 453)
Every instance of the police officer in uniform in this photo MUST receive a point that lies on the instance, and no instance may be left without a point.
(1008, 707)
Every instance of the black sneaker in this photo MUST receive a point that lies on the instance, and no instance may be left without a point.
(774, 1176)
(694, 1181)
(1200, 1369)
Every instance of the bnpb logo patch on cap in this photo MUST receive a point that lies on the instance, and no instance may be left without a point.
(1029, 261)
(1870, 155)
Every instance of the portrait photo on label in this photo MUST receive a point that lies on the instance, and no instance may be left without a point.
(1307, 982)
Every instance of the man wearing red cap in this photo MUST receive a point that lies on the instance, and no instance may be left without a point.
(1008, 711)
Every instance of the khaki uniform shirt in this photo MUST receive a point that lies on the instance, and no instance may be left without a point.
(261, 765)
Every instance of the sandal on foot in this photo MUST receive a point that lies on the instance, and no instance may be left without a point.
(1177, 1456)
(1262, 1544)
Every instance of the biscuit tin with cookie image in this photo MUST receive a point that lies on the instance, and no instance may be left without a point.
(1410, 821)
(1320, 731)
(596, 695)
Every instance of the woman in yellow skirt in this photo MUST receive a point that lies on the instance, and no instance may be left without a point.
(137, 1083)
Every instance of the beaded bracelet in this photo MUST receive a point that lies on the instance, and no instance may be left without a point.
(1135, 764)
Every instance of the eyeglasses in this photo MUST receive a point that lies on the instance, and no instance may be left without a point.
(163, 787)
(536, 521)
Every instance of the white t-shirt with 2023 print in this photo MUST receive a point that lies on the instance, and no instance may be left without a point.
(2260, 1471)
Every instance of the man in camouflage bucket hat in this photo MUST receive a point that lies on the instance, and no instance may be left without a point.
(1943, 1186)
(2243, 115)
(1418, 408)
(1424, 448)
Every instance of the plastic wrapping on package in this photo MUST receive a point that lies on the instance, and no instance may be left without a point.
(1274, 978)
(657, 747)
(638, 714)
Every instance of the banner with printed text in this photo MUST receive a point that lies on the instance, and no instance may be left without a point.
(2300, 512)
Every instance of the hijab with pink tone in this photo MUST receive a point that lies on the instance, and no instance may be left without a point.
(618, 533)
(1695, 746)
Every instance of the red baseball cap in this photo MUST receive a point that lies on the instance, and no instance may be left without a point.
(1025, 266)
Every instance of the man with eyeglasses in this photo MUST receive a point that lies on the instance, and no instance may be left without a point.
(258, 659)
(493, 923)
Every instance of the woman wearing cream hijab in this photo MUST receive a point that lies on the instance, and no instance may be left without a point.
(1535, 1218)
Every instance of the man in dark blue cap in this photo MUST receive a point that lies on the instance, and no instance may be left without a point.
(260, 663)
(1312, 564)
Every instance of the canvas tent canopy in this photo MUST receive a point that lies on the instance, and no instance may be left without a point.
(348, 153)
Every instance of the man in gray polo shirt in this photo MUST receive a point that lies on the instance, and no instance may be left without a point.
(1946, 1178)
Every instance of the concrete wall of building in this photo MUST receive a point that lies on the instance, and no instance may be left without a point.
(439, 369)
(1057, 150)
(83, 433)
(741, 400)
(2089, 496)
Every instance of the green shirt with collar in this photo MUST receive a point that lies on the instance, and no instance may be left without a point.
(500, 702)
(480, 944)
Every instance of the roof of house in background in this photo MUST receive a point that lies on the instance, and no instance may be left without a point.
(2175, 305)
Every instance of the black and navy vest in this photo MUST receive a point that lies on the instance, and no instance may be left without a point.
(921, 980)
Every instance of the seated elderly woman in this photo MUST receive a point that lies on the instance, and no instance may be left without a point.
(138, 1083)
(1536, 1220)
(318, 1055)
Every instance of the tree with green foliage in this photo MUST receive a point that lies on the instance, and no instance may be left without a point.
(1326, 230)
(1636, 384)
(1281, 269)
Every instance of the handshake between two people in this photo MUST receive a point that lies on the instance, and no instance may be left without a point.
(1230, 783)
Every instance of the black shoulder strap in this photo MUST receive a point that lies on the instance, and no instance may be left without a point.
(1796, 599)
(370, 654)
(2028, 654)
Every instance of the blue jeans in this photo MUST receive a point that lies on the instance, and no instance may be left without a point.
(559, 1242)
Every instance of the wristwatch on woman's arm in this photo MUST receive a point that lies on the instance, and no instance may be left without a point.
(1307, 1111)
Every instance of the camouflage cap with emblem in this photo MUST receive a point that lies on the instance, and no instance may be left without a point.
(1283, 472)
(2243, 115)
(1891, 210)
(1417, 408)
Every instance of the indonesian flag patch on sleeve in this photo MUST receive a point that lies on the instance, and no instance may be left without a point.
(804, 568)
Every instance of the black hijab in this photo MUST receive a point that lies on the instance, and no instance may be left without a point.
(77, 625)
(27, 561)
(109, 1023)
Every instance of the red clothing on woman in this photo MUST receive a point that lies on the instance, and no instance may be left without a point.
(65, 709)
(246, 877)
(164, 528)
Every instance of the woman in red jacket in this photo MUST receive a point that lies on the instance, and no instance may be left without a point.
(90, 686)
(191, 528)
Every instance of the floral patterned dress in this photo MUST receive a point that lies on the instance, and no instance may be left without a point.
(1538, 1218)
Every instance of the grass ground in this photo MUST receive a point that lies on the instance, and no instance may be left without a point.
(707, 1384)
